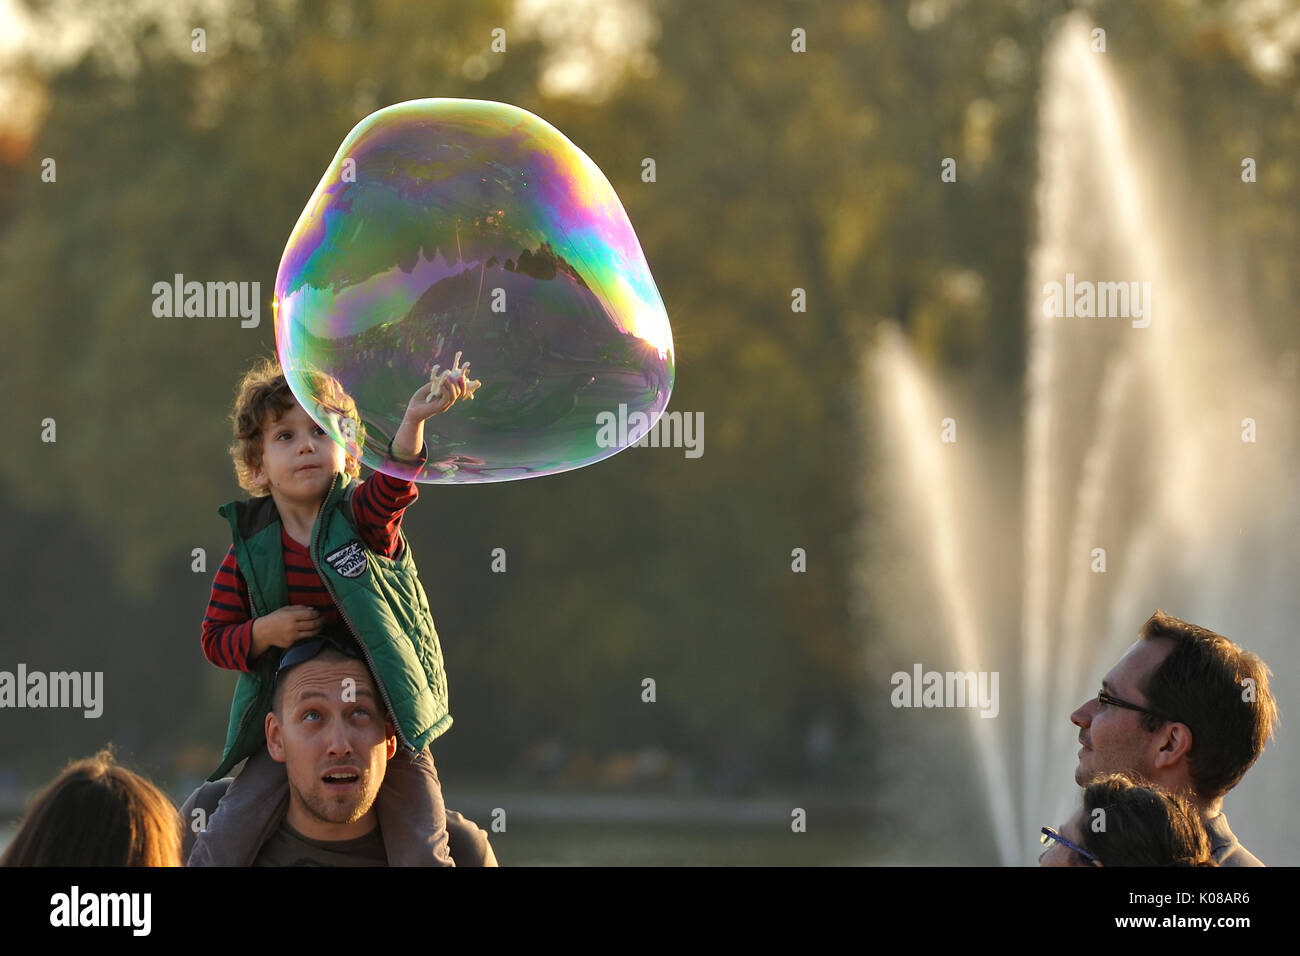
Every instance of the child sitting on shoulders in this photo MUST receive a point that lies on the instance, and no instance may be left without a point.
(317, 552)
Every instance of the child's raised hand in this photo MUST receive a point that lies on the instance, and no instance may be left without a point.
(442, 390)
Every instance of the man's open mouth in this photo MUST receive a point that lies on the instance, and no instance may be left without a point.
(341, 777)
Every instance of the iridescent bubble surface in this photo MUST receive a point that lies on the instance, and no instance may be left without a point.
(451, 225)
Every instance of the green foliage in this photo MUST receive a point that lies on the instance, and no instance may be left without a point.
(775, 170)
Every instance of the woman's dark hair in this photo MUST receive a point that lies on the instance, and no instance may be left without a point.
(98, 813)
(1127, 823)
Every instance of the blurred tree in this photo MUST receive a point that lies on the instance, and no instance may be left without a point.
(776, 170)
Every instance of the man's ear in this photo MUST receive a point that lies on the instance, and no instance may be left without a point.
(274, 738)
(1175, 743)
(391, 731)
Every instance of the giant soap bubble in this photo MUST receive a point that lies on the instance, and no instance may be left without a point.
(448, 226)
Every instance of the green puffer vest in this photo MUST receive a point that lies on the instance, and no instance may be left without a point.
(380, 599)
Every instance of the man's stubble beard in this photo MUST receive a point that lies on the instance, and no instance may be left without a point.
(325, 810)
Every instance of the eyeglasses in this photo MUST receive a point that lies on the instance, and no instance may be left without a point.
(306, 650)
(1051, 833)
(1105, 698)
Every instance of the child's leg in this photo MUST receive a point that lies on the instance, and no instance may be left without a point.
(411, 813)
(249, 811)
(467, 844)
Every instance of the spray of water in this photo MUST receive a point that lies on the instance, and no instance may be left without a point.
(1132, 448)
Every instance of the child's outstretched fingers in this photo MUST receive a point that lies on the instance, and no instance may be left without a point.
(445, 387)
(443, 391)
(436, 397)
(460, 374)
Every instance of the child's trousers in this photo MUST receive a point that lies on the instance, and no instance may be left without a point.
(412, 816)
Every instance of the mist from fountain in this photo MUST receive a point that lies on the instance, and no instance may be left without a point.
(1133, 455)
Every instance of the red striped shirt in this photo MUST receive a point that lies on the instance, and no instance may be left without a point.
(377, 507)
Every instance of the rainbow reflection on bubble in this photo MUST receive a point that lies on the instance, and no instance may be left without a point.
(451, 225)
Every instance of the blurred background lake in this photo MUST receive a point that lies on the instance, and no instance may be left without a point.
(568, 829)
(782, 164)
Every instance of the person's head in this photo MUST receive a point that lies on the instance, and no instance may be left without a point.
(1126, 823)
(274, 436)
(330, 729)
(97, 813)
(1205, 712)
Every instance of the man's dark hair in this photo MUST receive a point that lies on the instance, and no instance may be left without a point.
(327, 653)
(1142, 825)
(1220, 691)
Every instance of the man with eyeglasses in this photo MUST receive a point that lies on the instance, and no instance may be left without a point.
(1187, 710)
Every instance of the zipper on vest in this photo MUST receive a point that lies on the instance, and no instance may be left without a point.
(374, 671)
(243, 722)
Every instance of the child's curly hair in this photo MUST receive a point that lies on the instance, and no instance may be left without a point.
(264, 392)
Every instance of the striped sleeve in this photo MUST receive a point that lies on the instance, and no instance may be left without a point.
(377, 508)
(228, 624)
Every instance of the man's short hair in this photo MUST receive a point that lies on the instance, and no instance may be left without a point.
(1220, 691)
(326, 653)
